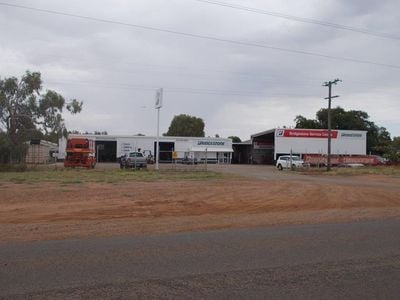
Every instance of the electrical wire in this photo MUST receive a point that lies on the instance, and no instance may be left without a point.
(302, 19)
(204, 37)
(176, 89)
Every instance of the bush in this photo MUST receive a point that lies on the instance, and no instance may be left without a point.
(393, 156)
(10, 152)
(13, 167)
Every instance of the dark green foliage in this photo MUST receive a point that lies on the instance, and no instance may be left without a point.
(235, 139)
(302, 122)
(378, 138)
(392, 151)
(185, 125)
(27, 113)
(24, 108)
(10, 152)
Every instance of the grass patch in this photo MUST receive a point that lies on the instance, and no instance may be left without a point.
(112, 176)
(393, 171)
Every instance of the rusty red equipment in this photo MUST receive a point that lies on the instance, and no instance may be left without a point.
(80, 153)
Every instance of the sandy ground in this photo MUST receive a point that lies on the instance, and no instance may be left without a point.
(54, 211)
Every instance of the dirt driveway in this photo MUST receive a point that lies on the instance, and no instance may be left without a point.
(261, 196)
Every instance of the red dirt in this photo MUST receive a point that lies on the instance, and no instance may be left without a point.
(53, 211)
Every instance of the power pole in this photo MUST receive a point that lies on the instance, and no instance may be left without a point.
(329, 85)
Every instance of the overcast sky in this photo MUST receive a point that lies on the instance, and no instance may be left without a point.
(274, 72)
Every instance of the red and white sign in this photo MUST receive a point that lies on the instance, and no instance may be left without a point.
(306, 133)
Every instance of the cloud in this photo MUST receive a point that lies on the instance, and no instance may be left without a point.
(236, 89)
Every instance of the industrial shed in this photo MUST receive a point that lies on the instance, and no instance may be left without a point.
(40, 152)
(265, 147)
(110, 147)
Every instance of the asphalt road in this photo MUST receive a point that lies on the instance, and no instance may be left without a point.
(339, 261)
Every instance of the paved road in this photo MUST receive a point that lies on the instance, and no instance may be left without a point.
(354, 260)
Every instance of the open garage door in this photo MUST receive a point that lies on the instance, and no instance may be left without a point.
(106, 151)
(166, 149)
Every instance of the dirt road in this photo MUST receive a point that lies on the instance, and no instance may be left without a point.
(265, 196)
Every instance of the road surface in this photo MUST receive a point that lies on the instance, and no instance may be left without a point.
(358, 260)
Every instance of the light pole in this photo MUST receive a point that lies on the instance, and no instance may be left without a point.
(158, 105)
(329, 85)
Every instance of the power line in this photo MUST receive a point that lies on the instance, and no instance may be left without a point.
(176, 89)
(204, 37)
(302, 19)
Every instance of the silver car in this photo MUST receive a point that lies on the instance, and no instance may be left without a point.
(133, 160)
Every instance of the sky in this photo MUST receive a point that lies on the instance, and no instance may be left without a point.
(243, 66)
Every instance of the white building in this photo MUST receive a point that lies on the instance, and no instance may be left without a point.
(110, 147)
(265, 147)
(315, 141)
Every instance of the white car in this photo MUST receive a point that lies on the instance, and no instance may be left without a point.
(287, 162)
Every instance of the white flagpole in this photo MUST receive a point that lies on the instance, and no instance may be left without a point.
(159, 96)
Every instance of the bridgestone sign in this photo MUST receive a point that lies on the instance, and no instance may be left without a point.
(210, 143)
(314, 141)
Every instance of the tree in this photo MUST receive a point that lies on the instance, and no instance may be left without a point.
(96, 132)
(185, 125)
(235, 139)
(302, 122)
(27, 113)
(378, 138)
(392, 151)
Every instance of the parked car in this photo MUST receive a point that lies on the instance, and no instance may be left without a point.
(189, 161)
(287, 162)
(133, 160)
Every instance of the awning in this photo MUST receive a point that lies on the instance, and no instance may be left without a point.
(210, 149)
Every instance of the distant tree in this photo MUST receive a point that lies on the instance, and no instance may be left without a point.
(302, 122)
(185, 125)
(217, 135)
(392, 151)
(74, 132)
(396, 143)
(26, 113)
(235, 139)
(378, 138)
(96, 132)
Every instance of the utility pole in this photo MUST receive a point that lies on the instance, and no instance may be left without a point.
(329, 85)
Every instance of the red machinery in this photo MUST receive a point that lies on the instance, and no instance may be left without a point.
(80, 153)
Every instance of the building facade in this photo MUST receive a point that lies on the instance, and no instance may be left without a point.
(265, 147)
(110, 147)
(40, 152)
